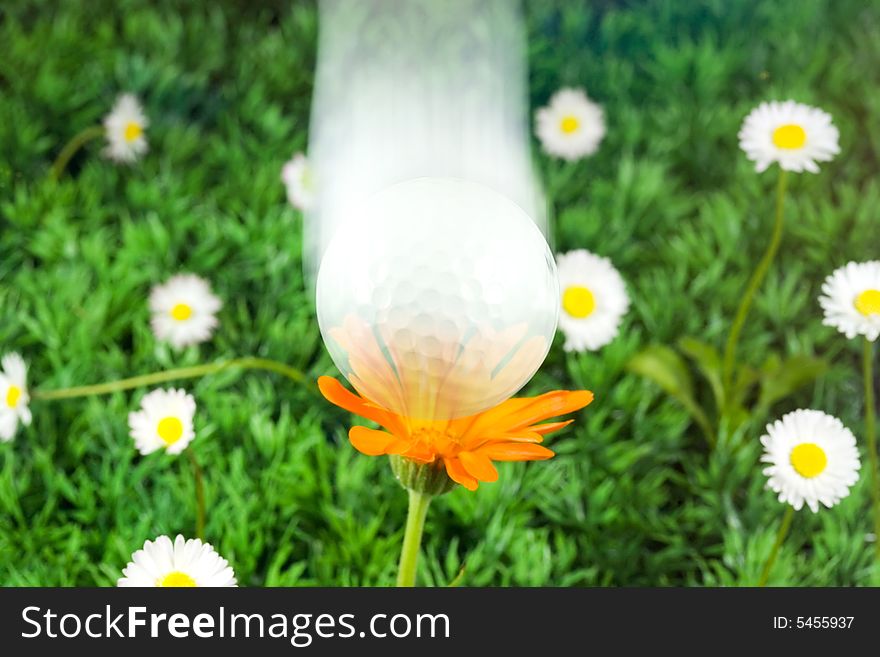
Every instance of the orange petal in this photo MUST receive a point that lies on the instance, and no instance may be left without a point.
(376, 377)
(519, 437)
(336, 393)
(419, 452)
(458, 474)
(519, 413)
(481, 422)
(549, 427)
(550, 405)
(370, 441)
(398, 446)
(478, 465)
(515, 452)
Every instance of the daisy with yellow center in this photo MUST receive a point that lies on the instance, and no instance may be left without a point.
(793, 135)
(183, 310)
(851, 303)
(299, 181)
(851, 299)
(125, 129)
(164, 421)
(593, 300)
(466, 447)
(182, 564)
(571, 126)
(14, 396)
(812, 458)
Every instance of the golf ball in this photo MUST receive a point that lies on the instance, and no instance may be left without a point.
(438, 299)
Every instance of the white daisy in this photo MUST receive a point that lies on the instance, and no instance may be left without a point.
(13, 396)
(813, 458)
(794, 135)
(593, 300)
(851, 299)
(184, 310)
(125, 127)
(165, 421)
(571, 126)
(298, 178)
(185, 563)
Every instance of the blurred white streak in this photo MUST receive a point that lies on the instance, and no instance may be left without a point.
(412, 88)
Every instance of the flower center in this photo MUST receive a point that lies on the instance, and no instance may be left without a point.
(808, 460)
(438, 441)
(578, 301)
(177, 579)
(789, 136)
(569, 124)
(868, 302)
(12, 396)
(170, 430)
(181, 312)
(132, 131)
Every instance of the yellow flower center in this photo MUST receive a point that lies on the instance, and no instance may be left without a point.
(441, 441)
(569, 124)
(170, 429)
(789, 136)
(578, 301)
(177, 579)
(132, 131)
(181, 312)
(868, 302)
(12, 396)
(808, 460)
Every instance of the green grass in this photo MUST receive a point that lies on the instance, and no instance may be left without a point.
(634, 496)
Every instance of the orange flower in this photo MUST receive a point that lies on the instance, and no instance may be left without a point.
(467, 445)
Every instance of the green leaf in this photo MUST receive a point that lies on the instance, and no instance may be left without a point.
(744, 378)
(735, 414)
(665, 367)
(668, 370)
(708, 362)
(735, 417)
(780, 378)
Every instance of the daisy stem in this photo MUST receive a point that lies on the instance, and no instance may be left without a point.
(412, 537)
(871, 438)
(70, 149)
(780, 537)
(172, 375)
(200, 495)
(754, 284)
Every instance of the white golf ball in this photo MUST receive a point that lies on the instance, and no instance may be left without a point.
(438, 299)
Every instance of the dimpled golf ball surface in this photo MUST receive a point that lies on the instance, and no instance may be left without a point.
(438, 299)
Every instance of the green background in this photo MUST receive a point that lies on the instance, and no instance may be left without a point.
(634, 497)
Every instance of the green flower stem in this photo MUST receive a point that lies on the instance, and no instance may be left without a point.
(172, 375)
(754, 284)
(871, 439)
(780, 537)
(200, 495)
(70, 149)
(412, 538)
